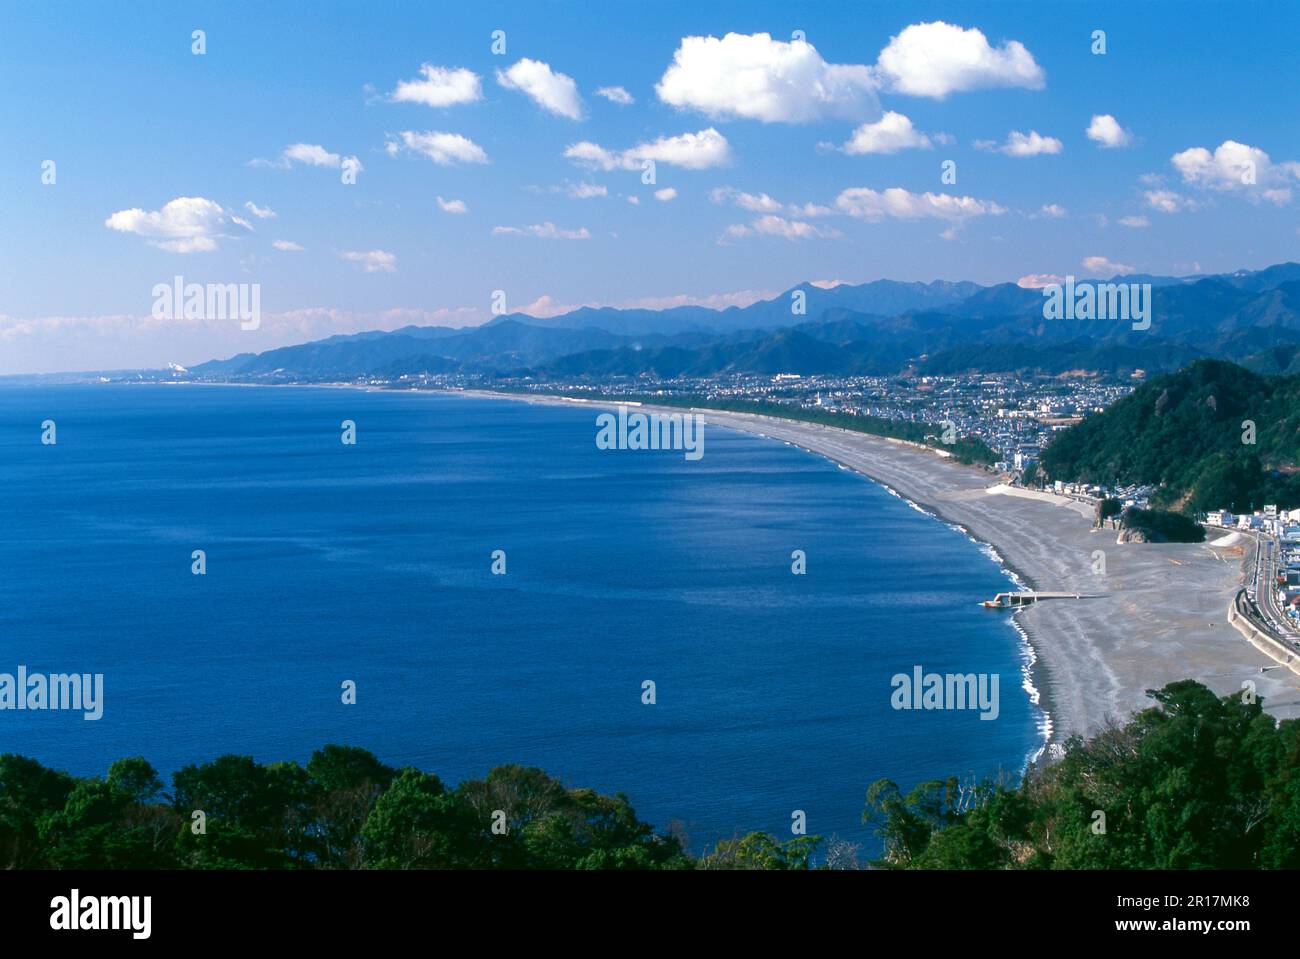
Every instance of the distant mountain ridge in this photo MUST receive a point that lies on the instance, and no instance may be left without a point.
(881, 327)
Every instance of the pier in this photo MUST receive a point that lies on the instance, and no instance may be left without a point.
(1023, 598)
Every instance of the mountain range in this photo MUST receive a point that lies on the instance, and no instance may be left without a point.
(877, 328)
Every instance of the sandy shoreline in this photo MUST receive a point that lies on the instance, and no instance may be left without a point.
(1158, 614)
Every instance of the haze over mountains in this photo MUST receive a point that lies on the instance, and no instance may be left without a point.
(882, 327)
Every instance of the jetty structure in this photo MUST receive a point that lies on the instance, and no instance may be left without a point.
(1022, 598)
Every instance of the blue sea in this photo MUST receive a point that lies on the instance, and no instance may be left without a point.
(372, 563)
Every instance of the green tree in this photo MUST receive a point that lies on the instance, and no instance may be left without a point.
(417, 824)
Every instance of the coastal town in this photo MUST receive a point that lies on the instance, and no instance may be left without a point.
(1015, 415)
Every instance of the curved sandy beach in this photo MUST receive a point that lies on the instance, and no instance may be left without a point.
(1158, 614)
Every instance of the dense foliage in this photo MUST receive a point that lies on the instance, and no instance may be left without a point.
(1194, 782)
(1188, 432)
(343, 810)
(1197, 782)
(1162, 526)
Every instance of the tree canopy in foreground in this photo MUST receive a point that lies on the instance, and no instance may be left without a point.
(1195, 781)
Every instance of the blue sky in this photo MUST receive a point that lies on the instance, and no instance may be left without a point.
(134, 121)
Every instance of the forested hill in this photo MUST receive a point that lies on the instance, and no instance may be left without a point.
(1185, 431)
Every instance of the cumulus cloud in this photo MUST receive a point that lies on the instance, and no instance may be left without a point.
(187, 224)
(261, 212)
(666, 194)
(1134, 222)
(754, 77)
(444, 149)
(890, 134)
(1051, 211)
(1237, 167)
(372, 261)
(899, 204)
(543, 231)
(690, 151)
(1101, 266)
(1167, 201)
(936, 59)
(1036, 281)
(772, 225)
(288, 246)
(763, 203)
(452, 206)
(1105, 131)
(616, 95)
(312, 154)
(554, 92)
(1019, 144)
(440, 87)
(755, 202)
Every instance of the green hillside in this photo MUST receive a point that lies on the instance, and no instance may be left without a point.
(1185, 432)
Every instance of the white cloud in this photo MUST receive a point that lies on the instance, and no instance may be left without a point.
(310, 154)
(897, 203)
(372, 261)
(187, 224)
(758, 78)
(444, 149)
(666, 194)
(1019, 144)
(587, 191)
(1101, 266)
(809, 210)
(547, 305)
(936, 59)
(1134, 222)
(691, 151)
(553, 92)
(544, 231)
(1237, 166)
(1052, 211)
(1106, 132)
(634, 200)
(615, 95)
(440, 87)
(891, 133)
(772, 225)
(763, 203)
(1036, 281)
(755, 202)
(261, 212)
(1167, 201)
(452, 206)
(288, 246)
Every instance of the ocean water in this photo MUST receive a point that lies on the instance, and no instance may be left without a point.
(371, 563)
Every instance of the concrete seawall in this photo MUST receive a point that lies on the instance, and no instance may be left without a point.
(1265, 643)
